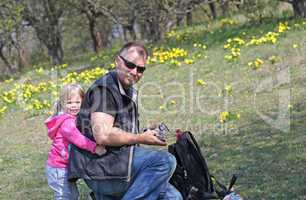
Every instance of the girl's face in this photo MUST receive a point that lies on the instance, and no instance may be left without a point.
(73, 104)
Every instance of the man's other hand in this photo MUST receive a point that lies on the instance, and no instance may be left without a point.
(148, 137)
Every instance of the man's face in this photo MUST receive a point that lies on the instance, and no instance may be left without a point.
(128, 73)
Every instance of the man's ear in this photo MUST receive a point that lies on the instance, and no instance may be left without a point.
(117, 61)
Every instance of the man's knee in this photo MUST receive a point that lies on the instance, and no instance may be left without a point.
(168, 160)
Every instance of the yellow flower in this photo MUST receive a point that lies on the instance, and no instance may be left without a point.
(201, 82)
(235, 52)
(256, 64)
(270, 37)
(238, 115)
(188, 61)
(175, 62)
(228, 116)
(273, 59)
(295, 46)
(112, 66)
(172, 102)
(223, 117)
(39, 71)
(282, 27)
(239, 41)
(2, 110)
(227, 21)
(228, 57)
(199, 55)
(8, 80)
(226, 46)
(228, 89)
(160, 55)
(65, 65)
(10, 96)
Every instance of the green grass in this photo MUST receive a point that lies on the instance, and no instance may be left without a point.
(269, 156)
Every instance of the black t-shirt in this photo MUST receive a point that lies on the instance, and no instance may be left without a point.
(103, 101)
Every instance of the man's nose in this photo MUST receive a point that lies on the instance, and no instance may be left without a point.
(134, 71)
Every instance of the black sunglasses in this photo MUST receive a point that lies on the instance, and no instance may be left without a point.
(131, 65)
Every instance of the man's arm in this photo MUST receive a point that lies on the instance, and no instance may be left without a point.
(107, 135)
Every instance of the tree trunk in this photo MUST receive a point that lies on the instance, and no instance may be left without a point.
(298, 8)
(179, 20)
(56, 55)
(303, 8)
(22, 60)
(125, 37)
(95, 35)
(130, 28)
(58, 48)
(189, 18)
(53, 41)
(212, 7)
(132, 33)
(55, 49)
(224, 7)
(144, 30)
(5, 60)
(154, 30)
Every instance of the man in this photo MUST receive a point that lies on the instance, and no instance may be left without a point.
(109, 115)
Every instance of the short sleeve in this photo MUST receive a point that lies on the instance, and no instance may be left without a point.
(102, 100)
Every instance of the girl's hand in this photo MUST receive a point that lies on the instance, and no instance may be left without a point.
(100, 150)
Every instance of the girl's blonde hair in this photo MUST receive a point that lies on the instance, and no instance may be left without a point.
(65, 93)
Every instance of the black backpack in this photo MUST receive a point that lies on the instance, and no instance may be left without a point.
(191, 176)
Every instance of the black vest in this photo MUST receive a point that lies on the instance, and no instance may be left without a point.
(117, 162)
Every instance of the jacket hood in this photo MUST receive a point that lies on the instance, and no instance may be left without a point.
(54, 123)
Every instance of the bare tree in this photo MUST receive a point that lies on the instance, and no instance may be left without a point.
(224, 4)
(212, 7)
(11, 27)
(94, 14)
(184, 9)
(125, 13)
(299, 7)
(45, 17)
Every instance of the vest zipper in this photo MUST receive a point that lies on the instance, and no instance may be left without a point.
(130, 163)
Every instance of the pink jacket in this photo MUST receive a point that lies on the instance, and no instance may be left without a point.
(63, 131)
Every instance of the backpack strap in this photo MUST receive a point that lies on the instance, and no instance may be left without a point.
(198, 153)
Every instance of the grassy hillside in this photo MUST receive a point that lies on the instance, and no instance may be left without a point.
(240, 88)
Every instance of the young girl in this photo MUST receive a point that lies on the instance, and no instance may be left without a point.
(62, 131)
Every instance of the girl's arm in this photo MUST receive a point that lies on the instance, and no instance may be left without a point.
(74, 136)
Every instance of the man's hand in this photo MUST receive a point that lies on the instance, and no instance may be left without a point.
(149, 138)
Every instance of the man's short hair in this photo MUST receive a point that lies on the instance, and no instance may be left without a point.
(140, 49)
